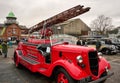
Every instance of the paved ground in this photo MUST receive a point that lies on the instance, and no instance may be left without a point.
(10, 74)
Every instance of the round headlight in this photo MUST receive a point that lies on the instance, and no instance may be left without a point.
(100, 54)
(79, 59)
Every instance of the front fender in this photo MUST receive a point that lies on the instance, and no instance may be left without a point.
(73, 70)
(103, 63)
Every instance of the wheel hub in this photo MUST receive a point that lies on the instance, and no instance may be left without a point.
(62, 78)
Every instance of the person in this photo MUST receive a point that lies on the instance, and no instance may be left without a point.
(4, 48)
(10, 43)
(79, 42)
(17, 40)
(84, 42)
(98, 45)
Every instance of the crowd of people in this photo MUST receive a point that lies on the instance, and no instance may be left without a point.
(81, 42)
(4, 44)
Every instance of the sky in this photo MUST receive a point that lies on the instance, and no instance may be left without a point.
(31, 12)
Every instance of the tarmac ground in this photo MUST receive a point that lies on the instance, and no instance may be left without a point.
(10, 74)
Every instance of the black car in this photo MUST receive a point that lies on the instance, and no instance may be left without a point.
(115, 42)
(105, 48)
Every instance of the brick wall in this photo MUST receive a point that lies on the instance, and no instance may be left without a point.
(12, 31)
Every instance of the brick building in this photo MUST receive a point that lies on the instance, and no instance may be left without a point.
(11, 28)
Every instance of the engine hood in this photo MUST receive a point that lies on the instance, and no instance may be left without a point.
(72, 48)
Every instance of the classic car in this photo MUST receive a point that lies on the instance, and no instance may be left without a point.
(105, 48)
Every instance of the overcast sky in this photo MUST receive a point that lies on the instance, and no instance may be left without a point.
(31, 12)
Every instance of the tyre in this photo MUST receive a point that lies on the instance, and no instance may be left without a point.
(63, 77)
(107, 51)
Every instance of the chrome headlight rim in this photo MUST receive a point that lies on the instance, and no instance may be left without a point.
(100, 54)
(79, 59)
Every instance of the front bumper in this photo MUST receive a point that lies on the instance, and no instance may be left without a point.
(85, 80)
(113, 51)
(103, 78)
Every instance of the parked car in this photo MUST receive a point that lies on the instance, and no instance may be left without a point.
(112, 41)
(105, 48)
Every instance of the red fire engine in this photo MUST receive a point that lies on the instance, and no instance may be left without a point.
(67, 63)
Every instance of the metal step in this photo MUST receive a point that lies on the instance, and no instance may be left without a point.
(31, 61)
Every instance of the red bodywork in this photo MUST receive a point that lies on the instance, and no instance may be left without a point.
(61, 56)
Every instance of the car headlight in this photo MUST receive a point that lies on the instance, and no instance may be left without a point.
(100, 54)
(112, 47)
(79, 59)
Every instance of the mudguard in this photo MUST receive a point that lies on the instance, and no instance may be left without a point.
(17, 55)
(103, 63)
(75, 72)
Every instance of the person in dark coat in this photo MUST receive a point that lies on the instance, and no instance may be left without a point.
(79, 42)
(98, 45)
(4, 49)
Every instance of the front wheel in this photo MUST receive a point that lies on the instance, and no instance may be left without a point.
(106, 51)
(63, 77)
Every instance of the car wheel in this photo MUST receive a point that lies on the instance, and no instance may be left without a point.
(63, 77)
(107, 51)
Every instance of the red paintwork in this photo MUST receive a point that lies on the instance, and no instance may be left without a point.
(39, 41)
(67, 61)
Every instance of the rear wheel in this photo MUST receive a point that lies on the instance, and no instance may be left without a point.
(63, 77)
(16, 61)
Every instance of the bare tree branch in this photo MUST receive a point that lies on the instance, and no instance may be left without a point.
(102, 24)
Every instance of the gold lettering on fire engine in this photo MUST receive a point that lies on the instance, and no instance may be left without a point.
(31, 51)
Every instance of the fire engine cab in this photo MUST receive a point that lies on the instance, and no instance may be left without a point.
(67, 63)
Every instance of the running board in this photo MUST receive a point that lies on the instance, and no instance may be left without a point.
(31, 61)
(30, 64)
(44, 71)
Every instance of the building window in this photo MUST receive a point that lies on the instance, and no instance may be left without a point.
(14, 31)
(9, 32)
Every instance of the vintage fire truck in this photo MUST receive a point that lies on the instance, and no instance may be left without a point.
(65, 62)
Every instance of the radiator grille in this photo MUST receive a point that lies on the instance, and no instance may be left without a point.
(93, 62)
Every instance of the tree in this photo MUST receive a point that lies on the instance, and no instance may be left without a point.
(102, 24)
